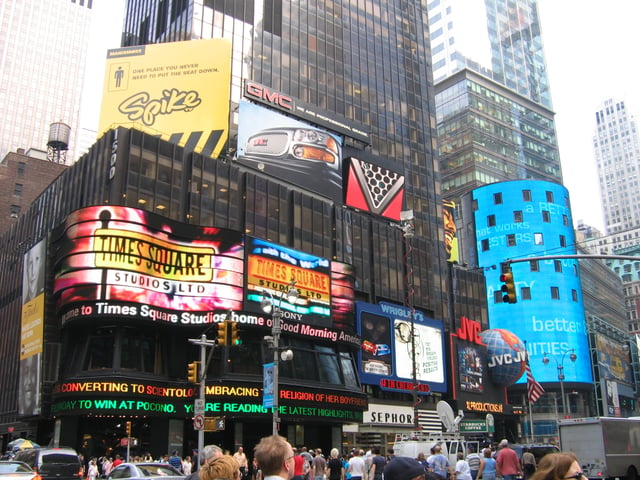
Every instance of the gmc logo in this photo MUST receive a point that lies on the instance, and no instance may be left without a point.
(265, 95)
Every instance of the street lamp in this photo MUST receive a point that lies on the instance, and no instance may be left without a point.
(272, 305)
(560, 365)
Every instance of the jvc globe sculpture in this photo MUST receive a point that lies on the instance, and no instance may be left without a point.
(506, 356)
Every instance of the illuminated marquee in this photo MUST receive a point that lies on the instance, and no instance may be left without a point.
(270, 268)
(128, 262)
(143, 398)
(122, 249)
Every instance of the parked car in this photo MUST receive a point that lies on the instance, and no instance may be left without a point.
(12, 470)
(52, 463)
(145, 471)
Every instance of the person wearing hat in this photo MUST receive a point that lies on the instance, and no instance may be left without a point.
(404, 468)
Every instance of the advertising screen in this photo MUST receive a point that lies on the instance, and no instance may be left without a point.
(613, 360)
(32, 328)
(177, 90)
(520, 219)
(287, 148)
(386, 356)
(122, 261)
(450, 231)
(373, 188)
(271, 268)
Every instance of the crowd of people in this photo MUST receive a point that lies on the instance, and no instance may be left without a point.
(275, 459)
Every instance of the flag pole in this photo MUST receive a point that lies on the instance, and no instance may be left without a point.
(528, 398)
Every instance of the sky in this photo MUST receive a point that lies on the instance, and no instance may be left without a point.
(592, 50)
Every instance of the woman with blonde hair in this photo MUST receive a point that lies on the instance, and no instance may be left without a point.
(559, 466)
(221, 468)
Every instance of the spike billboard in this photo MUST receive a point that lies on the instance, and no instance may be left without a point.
(178, 90)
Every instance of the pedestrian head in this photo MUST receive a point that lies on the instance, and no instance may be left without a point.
(404, 468)
(559, 466)
(221, 468)
(275, 456)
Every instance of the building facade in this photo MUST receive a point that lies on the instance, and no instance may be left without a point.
(43, 70)
(498, 39)
(487, 134)
(616, 145)
(336, 89)
(23, 176)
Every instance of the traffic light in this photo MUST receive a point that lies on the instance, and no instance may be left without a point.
(128, 428)
(235, 334)
(223, 337)
(192, 372)
(508, 286)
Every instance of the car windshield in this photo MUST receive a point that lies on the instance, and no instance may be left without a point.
(158, 470)
(14, 467)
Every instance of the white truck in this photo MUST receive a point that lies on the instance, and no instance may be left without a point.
(411, 444)
(606, 447)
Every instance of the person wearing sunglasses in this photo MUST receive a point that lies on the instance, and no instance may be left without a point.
(559, 466)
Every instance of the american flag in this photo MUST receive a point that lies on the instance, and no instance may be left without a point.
(534, 389)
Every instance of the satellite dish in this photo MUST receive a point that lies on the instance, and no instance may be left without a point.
(447, 417)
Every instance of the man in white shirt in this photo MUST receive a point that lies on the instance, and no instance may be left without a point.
(357, 466)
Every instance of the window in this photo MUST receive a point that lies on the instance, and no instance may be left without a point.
(565, 220)
(497, 198)
(549, 196)
(21, 168)
(511, 240)
(534, 266)
(14, 211)
(557, 264)
(17, 189)
(546, 216)
(526, 195)
(563, 241)
(538, 239)
(491, 220)
(525, 293)
(497, 296)
(485, 244)
(574, 295)
(517, 216)
(555, 293)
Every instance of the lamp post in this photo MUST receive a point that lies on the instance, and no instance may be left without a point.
(273, 305)
(560, 365)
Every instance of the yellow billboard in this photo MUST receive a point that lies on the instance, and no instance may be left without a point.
(179, 91)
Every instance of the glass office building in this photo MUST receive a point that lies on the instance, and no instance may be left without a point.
(500, 39)
(488, 133)
(362, 72)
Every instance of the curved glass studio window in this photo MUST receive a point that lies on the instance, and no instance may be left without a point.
(319, 364)
(121, 348)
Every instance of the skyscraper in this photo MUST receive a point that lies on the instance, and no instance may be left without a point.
(616, 145)
(500, 39)
(369, 67)
(495, 119)
(42, 69)
(44, 52)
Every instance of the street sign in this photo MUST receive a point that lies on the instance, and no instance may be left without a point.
(198, 406)
(214, 424)
(198, 422)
